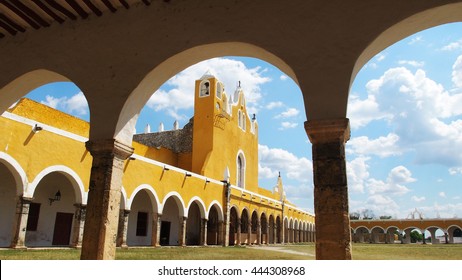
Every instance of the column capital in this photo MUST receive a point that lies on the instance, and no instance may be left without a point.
(109, 146)
(26, 200)
(325, 131)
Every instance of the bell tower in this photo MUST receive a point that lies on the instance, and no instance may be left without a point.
(208, 96)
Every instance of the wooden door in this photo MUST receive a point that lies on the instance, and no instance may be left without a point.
(63, 228)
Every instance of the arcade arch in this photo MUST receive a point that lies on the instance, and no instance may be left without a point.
(172, 231)
(379, 32)
(52, 220)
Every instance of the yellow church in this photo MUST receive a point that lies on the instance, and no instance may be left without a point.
(192, 186)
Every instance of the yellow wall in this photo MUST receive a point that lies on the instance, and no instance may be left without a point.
(35, 152)
(218, 138)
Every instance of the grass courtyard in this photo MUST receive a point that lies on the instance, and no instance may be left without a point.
(288, 252)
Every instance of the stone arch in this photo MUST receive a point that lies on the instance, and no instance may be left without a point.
(194, 224)
(71, 175)
(172, 220)
(254, 221)
(52, 219)
(143, 205)
(454, 234)
(378, 234)
(279, 230)
(271, 229)
(245, 226)
(215, 224)
(150, 192)
(201, 205)
(216, 204)
(234, 226)
(16, 171)
(12, 187)
(286, 230)
(296, 231)
(178, 199)
(420, 21)
(264, 234)
(25, 83)
(175, 64)
(361, 234)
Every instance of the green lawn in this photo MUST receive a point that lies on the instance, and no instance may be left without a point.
(360, 252)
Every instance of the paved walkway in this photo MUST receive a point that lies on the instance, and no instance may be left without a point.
(280, 249)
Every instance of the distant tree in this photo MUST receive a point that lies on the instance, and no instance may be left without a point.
(367, 214)
(385, 217)
(416, 236)
(355, 216)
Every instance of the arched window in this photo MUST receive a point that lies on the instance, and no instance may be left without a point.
(239, 118)
(220, 89)
(204, 89)
(240, 170)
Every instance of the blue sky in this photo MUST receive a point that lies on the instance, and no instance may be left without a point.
(405, 110)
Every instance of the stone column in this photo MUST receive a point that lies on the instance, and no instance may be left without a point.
(275, 231)
(249, 232)
(79, 222)
(159, 224)
(221, 226)
(238, 241)
(19, 229)
(123, 227)
(407, 238)
(204, 232)
(102, 217)
(433, 235)
(227, 214)
(182, 240)
(154, 231)
(333, 237)
(259, 232)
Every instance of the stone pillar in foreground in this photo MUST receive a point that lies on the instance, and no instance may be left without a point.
(79, 222)
(19, 229)
(333, 237)
(102, 217)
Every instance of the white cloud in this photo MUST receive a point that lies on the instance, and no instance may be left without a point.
(289, 113)
(382, 146)
(283, 78)
(52, 102)
(419, 110)
(380, 57)
(273, 160)
(361, 112)
(416, 39)
(418, 199)
(412, 63)
(449, 210)
(357, 174)
(453, 46)
(288, 125)
(455, 170)
(379, 204)
(76, 104)
(178, 94)
(273, 105)
(394, 184)
(457, 72)
(442, 194)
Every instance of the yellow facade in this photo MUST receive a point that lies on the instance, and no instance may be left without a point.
(224, 143)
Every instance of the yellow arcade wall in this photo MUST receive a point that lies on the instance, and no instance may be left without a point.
(34, 152)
